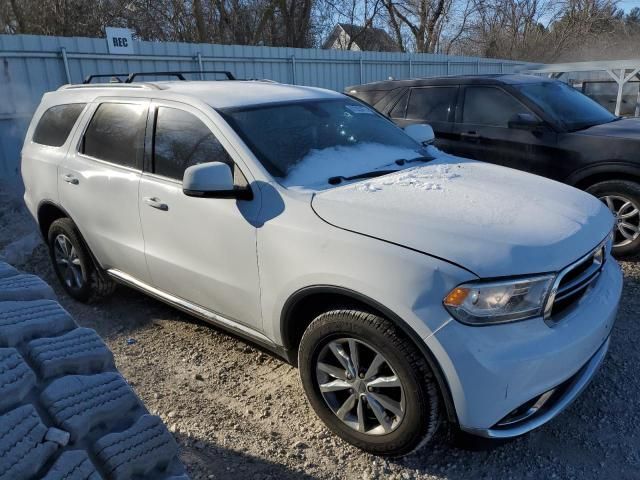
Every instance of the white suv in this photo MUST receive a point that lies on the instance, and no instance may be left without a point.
(412, 288)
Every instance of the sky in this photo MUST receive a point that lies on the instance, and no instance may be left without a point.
(627, 5)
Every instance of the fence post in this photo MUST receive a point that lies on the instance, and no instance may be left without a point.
(448, 63)
(501, 67)
(293, 69)
(65, 61)
(199, 60)
(361, 71)
(410, 67)
(477, 66)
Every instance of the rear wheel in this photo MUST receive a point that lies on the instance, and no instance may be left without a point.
(73, 264)
(368, 382)
(623, 199)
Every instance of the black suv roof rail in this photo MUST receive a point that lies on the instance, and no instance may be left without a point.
(131, 76)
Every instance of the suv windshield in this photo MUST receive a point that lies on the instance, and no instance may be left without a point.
(306, 143)
(566, 105)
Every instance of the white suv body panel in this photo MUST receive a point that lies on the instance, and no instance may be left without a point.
(244, 261)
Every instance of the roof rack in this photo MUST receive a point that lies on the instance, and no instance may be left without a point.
(131, 76)
(106, 75)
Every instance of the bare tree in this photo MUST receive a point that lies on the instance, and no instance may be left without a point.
(425, 20)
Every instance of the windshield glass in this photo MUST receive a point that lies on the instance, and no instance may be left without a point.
(306, 143)
(566, 105)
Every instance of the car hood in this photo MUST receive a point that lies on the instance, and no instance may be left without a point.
(491, 220)
(623, 128)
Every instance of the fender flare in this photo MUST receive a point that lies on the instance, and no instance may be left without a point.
(608, 167)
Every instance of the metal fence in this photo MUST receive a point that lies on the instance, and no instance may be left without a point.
(32, 65)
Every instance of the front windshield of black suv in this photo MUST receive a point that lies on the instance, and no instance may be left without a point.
(566, 105)
(304, 143)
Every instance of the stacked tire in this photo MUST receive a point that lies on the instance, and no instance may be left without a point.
(65, 411)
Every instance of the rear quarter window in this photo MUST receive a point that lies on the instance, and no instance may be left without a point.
(56, 124)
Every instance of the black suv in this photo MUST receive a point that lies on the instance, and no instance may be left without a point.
(530, 123)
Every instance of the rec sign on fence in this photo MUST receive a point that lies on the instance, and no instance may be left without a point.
(119, 40)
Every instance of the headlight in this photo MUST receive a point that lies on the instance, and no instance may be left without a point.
(482, 303)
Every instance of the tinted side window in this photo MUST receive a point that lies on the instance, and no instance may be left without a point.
(432, 104)
(56, 124)
(182, 140)
(400, 108)
(490, 106)
(116, 133)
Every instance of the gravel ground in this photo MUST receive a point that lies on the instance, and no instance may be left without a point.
(240, 413)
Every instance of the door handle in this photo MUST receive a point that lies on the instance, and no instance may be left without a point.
(70, 179)
(156, 203)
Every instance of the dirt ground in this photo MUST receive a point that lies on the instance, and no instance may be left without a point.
(240, 413)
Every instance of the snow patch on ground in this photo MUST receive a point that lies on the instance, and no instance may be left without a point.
(20, 250)
(319, 165)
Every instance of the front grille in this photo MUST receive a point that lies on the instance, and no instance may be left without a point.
(574, 281)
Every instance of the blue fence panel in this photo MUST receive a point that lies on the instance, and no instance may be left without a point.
(32, 65)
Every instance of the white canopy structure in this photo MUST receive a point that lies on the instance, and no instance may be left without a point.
(622, 71)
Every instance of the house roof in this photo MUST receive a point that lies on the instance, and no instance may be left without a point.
(368, 39)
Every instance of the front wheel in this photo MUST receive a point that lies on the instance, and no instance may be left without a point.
(623, 199)
(368, 382)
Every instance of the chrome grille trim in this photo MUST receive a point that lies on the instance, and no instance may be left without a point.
(584, 279)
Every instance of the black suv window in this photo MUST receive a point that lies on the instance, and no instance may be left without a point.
(432, 104)
(56, 124)
(182, 140)
(400, 108)
(490, 106)
(116, 133)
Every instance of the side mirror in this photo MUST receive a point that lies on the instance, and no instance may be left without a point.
(525, 121)
(212, 180)
(421, 133)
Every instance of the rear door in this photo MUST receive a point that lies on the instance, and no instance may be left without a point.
(482, 131)
(99, 182)
(434, 105)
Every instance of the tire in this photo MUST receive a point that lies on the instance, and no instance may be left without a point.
(615, 194)
(89, 283)
(372, 335)
(65, 410)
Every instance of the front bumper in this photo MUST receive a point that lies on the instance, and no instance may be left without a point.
(495, 370)
(554, 406)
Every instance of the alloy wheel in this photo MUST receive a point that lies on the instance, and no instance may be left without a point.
(360, 386)
(68, 263)
(627, 216)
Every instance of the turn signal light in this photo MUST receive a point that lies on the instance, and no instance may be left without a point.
(456, 297)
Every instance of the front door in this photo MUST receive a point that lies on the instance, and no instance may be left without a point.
(99, 183)
(202, 250)
(482, 132)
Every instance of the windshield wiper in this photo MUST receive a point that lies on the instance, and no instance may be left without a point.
(378, 173)
(374, 173)
(425, 158)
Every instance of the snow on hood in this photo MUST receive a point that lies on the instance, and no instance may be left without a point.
(319, 165)
(492, 220)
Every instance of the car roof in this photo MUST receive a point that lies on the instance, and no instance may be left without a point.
(494, 79)
(218, 94)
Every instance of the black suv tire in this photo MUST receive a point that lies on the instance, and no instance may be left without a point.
(630, 192)
(374, 336)
(77, 272)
